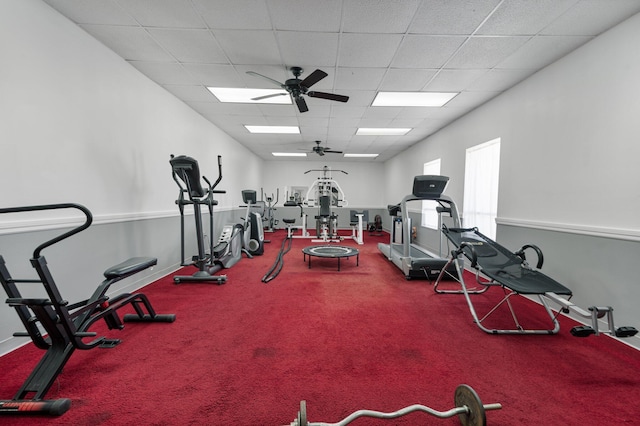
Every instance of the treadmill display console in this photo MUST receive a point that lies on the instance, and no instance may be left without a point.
(429, 186)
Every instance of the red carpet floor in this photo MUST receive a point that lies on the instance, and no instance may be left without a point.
(246, 353)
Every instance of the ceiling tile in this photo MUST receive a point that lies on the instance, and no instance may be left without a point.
(306, 15)
(234, 14)
(485, 52)
(190, 45)
(104, 12)
(449, 80)
(214, 75)
(451, 17)
(390, 16)
(306, 48)
(163, 13)
(131, 43)
(592, 17)
(542, 50)
(421, 51)
(347, 110)
(359, 78)
(370, 50)
(406, 80)
(249, 47)
(524, 17)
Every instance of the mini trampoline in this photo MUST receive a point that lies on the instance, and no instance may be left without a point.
(334, 252)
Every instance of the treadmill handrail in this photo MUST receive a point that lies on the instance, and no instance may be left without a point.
(406, 240)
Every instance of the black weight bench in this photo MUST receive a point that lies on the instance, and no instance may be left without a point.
(59, 328)
(513, 274)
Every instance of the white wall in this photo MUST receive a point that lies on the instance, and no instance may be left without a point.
(568, 165)
(78, 124)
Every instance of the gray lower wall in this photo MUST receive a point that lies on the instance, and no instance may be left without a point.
(77, 263)
(599, 270)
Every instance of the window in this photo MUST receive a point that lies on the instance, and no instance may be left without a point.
(429, 214)
(481, 187)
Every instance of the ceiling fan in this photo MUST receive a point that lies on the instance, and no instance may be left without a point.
(296, 88)
(321, 150)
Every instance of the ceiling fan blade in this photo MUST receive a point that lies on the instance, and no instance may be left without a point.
(302, 104)
(313, 78)
(329, 96)
(334, 152)
(268, 78)
(259, 98)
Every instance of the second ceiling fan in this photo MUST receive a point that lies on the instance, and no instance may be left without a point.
(321, 150)
(297, 88)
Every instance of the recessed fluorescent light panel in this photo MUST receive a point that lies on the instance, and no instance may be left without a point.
(413, 99)
(289, 154)
(230, 94)
(382, 131)
(273, 129)
(361, 155)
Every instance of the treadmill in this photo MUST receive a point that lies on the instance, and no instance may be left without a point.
(415, 261)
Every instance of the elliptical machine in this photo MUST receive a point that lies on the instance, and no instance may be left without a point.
(253, 235)
(228, 251)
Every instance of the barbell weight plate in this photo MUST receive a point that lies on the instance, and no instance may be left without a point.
(466, 396)
(302, 414)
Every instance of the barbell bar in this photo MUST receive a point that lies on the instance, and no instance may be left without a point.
(469, 409)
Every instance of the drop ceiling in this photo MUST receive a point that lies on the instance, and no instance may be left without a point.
(478, 48)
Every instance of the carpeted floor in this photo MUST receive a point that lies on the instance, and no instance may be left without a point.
(246, 353)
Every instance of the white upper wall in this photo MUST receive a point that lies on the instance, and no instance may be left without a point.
(81, 125)
(569, 140)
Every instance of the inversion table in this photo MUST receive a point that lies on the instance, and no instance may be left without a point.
(512, 273)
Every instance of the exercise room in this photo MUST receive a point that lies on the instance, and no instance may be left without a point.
(303, 212)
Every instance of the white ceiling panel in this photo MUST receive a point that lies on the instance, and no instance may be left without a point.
(132, 43)
(304, 49)
(368, 50)
(391, 16)
(541, 50)
(163, 13)
(579, 20)
(249, 47)
(306, 15)
(420, 51)
(524, 17)
(478, 48)
(451, 80)
(190, 45)
(453, 17)
(103, 12)
(485, 52)
(359, 78)
(214, 75)
(234, 14)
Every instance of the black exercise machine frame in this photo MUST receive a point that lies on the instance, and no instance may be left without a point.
(65, 326)
(206, 263)
(547, 290)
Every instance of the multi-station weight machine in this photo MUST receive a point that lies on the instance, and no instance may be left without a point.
(325, 194)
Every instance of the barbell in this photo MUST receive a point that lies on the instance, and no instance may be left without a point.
(469, 409)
